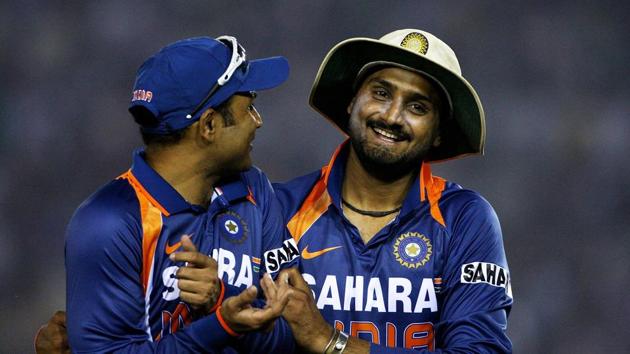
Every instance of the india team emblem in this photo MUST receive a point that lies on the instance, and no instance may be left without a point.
(416, 42)
(413, 249)
(232, 227)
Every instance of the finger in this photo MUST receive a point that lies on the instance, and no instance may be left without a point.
(296, 280)
(192, 298)
(272, 311)
(194, 259)
(269, 288)
(243, 299)
(192, 286)
(197, 274)
(187, 244)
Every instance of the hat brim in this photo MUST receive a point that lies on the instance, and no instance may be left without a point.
(261, 74)
(333, 90)
(265, 74)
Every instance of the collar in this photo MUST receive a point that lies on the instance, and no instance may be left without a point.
(160, 192)
(425, 187)
(169, 201)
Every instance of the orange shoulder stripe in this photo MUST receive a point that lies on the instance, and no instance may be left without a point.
(431, 188)
(151, 217)
(140, 189)
(314, 206)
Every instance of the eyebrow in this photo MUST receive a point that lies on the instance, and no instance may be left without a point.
(388, 85)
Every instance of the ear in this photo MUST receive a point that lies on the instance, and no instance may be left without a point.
(351, 105)
(437, 141)
(209, 125)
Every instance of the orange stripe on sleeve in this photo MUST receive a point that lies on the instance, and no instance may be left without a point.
(431, 188)
(140, 190)
(151, 217)
(313, 207)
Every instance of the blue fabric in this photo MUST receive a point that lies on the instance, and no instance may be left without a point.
(107, 309)
(417, 284)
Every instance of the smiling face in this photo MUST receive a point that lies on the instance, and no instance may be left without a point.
(394, 119)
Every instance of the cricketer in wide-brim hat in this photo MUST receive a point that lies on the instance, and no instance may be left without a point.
(463, 127)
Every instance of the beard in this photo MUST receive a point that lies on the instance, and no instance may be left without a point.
(381, 161)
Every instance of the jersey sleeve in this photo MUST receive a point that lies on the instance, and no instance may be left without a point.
(279, 249)
(477, 296)
(105, 298)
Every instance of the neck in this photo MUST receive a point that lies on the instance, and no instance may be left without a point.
(184, 172)
(367, 191)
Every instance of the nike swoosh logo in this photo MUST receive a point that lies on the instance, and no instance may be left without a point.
(310, 255)
(172, 248)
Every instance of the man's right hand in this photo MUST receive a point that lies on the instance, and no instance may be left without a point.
(52, 338)
(241, 316)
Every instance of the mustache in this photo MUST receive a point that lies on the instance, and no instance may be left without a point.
(395, 129)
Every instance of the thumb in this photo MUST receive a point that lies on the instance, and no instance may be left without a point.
(187, 244)
(293, 277)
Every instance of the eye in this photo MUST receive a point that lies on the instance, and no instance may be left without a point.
(251, 108)
(380, 93)
(419, 108)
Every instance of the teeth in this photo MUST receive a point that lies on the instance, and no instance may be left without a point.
(386, 134)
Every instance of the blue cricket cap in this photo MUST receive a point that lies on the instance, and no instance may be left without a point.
(173, 82)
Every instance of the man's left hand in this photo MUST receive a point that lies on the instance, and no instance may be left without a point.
(52, 338)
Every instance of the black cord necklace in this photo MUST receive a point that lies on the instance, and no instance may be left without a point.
(375, 214)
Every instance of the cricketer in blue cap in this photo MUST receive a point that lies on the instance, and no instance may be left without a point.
(138, 270)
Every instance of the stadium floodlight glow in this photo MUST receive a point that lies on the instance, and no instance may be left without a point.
(238, 58)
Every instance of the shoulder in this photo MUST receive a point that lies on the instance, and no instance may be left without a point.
(112, 211)
(468, 215)
(456, 199)
(292, 193)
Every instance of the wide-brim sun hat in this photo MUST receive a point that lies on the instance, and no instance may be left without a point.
(463, 133)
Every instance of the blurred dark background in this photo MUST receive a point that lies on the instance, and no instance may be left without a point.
(552, 75)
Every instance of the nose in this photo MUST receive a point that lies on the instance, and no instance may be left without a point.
(256, 117)
(393, 112)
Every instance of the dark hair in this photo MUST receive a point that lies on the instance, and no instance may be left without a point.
(145, 118)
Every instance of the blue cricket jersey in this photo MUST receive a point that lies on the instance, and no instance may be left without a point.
(121, 291)
(435, 278)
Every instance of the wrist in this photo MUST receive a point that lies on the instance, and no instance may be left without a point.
(224, 324)
(219, 299)
(318, 338)
(337, 343)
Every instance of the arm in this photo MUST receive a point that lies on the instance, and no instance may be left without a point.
(105, 297)
(476, 298)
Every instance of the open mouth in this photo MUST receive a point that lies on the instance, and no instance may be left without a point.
(388, 135)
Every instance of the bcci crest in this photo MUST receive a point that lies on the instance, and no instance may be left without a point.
(232, 227)
(417, 42)
(413, 249)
